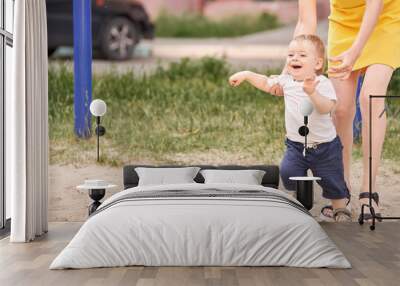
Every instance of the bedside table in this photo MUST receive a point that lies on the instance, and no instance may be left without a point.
(304, 190)
(96, 190)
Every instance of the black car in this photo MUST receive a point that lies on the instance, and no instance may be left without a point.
(117, 26)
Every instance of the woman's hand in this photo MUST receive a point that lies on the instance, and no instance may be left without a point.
(347, 60)
(237, 78)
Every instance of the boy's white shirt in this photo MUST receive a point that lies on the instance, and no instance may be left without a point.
(320, 125)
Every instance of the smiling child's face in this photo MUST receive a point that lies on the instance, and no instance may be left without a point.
(302, 60)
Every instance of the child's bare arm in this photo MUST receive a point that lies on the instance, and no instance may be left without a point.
(321, 103)
(257, 80)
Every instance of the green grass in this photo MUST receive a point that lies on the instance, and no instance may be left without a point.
(197, 26)
(182, 111)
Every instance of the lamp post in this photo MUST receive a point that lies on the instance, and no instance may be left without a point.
(306, 108)
(98, 108)
(304, 185)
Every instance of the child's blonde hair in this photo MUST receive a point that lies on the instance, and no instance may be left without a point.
(319, 47)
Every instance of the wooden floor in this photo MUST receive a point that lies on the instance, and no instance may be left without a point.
(375, 257)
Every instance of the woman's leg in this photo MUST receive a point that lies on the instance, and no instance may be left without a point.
(376, 81)
(343, 117)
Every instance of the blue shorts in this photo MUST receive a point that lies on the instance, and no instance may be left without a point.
(325, 161)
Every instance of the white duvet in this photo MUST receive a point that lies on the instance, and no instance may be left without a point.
(192, 231)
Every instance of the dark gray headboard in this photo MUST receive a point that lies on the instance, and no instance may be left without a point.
(270, 179)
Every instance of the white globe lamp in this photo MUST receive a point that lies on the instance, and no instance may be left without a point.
(98, 108)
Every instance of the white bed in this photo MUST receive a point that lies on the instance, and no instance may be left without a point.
(260, 227)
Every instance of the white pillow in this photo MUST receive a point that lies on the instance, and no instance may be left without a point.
(248, 177)
(165, 176)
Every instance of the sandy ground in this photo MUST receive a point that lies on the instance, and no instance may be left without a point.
(66, 203)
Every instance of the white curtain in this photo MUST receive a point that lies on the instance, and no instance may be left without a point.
(27, 123)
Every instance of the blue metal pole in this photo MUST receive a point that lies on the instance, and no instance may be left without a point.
(357, 118)
(82, 66)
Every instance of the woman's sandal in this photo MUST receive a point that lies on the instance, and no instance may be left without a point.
(342, 215)
(368, 216)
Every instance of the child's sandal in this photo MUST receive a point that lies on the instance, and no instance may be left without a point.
(342, 215)
(323, 215)
(330, 218)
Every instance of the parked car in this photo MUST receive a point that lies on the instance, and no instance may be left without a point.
(117, 26)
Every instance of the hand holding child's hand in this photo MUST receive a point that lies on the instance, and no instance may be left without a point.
(237, 78)
(309, 85)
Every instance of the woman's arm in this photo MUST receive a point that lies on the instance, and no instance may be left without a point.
(371, 15)
(306, 24)
(348, 58)
(259, 81)
(307, 18)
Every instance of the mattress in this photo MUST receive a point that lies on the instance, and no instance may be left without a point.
(200, 225)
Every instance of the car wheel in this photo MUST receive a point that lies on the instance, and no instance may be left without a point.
(119, 39)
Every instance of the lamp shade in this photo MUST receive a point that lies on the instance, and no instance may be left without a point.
(98, 107)
(306, 107)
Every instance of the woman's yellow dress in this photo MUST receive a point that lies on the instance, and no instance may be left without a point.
(383, 46)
